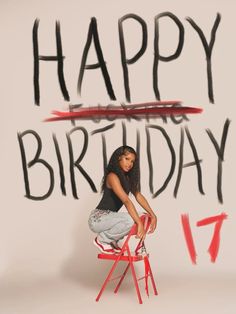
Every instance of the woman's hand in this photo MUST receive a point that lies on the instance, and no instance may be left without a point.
(153, 224)
(141, 232)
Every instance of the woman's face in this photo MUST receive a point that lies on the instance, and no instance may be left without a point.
(126, 161)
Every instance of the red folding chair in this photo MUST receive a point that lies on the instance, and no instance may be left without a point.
(130, 258)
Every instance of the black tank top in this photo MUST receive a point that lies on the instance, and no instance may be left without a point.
(110, 201)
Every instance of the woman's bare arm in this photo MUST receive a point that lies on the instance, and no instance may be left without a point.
(144, 203)
(113, 182)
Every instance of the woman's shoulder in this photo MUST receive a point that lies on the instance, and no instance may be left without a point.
(112, 179)
(112, 176)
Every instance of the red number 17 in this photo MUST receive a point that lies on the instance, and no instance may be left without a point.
(215, 241)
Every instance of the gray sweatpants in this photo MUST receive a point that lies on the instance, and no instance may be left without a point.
(110, 226)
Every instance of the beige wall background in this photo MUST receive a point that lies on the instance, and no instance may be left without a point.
(51, 236)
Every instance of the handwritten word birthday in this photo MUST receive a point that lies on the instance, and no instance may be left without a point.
(150, 131)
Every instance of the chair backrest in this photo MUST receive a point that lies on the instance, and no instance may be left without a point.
(146, 220)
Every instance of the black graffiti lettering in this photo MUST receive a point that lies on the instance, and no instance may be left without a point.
(152, 133)
(76, 163)
(60, 164)
(59, 58)
(196, 162)
(157, 56)
(104, 146)
(93, 34)
(208, 50)
(150, 164)
(124, 134)
(36, 160)
(177, 119)
(220, 150)
(124, 60)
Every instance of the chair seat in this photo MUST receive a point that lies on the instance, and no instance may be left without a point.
(134, 257)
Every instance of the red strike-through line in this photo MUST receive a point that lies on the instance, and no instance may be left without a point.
(129, 111)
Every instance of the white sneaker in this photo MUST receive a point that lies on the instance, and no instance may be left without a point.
(104, 248)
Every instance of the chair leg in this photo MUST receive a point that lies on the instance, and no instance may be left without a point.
(152, 279)
(122, 278)
(134, 277)
(107, 279)
(136, 283)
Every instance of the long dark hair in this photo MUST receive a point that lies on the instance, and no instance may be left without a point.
(129, 181)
